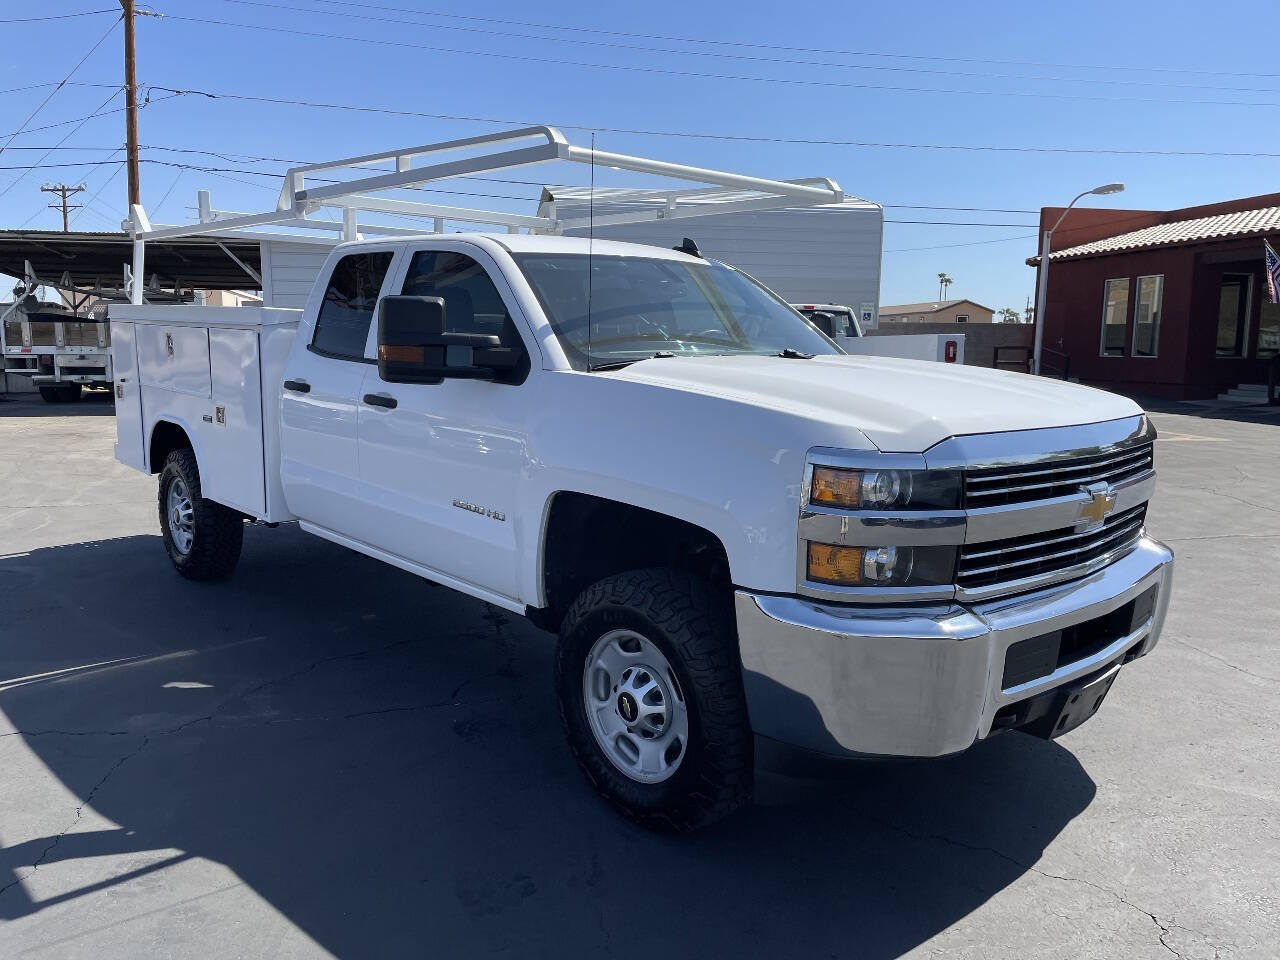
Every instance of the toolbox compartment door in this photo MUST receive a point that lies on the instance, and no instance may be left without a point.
(128, 396)
(174, 357)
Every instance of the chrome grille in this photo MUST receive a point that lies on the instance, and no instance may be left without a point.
(998, 486)
(1018, 558)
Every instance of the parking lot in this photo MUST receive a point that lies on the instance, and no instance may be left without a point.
(325, 755)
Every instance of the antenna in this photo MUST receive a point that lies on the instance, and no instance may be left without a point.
(591, 239)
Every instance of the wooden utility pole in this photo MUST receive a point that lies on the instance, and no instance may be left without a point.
(64, 191)
(130, 104)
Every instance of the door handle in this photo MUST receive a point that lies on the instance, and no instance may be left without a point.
(297, 386)
(380, 400)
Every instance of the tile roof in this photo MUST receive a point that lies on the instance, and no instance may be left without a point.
(1221, 227)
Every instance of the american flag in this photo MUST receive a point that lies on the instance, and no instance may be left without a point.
(1273, 272)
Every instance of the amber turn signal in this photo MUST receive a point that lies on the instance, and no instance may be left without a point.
(833, 487)
(833, 564)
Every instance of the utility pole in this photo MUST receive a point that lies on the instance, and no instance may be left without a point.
(64, 191)
(130, 104)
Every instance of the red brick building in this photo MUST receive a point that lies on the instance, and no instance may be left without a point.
(1164, 303)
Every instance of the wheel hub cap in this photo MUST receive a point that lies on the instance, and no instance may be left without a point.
(635, 706)
(179, 511)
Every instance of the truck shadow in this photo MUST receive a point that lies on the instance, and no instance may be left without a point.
(379, 761)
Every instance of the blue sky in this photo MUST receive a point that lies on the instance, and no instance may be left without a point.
(1088, 76)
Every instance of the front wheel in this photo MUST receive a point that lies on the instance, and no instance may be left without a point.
(202, 537)
(650, 689)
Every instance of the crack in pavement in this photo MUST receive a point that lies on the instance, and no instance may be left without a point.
(1163, 927)
(1223, 660)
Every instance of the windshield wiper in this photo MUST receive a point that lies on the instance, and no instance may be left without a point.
(791, 353)
(619, 364)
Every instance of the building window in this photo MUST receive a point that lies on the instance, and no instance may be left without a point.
(1115, 307)
(1146, 316)
(962, 318)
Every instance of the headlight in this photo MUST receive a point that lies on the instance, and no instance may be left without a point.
(887, 566)
(885, 489)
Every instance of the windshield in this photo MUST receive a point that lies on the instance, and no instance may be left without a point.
(640, 307)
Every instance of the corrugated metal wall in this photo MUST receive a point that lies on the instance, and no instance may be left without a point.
(828, 254)
(289, 270)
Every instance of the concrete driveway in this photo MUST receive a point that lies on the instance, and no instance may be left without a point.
(325, 755)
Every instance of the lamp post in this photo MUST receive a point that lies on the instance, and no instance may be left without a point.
(1043, 290)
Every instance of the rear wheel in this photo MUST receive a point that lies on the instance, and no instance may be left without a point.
(70, 392)
(650, 690)
(202, 538)
(51, 394)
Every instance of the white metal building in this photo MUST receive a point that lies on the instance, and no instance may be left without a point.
(828, 253)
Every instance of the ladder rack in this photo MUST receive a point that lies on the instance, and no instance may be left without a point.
(301, 195)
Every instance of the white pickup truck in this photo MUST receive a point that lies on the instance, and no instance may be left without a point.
(735, 528)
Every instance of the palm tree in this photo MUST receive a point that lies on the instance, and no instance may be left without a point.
(1009, 315)
(943, 282)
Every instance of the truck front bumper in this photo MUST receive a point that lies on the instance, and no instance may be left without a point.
(929, 680)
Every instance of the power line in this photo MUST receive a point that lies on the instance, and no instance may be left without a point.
(69, 134)
(793, 49)
(753, 58)
(77, 120)
(701, 75)
(60, 16)
(729, 137)
(60, 85)
(971, 243)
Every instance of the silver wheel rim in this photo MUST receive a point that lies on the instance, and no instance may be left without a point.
(635, 706)
(177, 508)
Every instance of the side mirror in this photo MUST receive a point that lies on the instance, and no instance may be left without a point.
(414, 348)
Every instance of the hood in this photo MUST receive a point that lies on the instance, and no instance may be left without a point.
(899, 405)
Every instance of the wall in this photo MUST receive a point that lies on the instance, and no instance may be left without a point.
(1186, 366)
(824, 254)
(289, 270)
(980, 340)
(975, 312)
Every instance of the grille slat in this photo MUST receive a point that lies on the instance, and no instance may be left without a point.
(1041, 482)
(1027, 556)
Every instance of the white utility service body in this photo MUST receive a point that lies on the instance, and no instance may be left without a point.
(735, 527)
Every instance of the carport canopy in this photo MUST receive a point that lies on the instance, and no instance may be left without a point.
(99, 259)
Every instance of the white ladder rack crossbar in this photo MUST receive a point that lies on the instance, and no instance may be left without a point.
(498, 151)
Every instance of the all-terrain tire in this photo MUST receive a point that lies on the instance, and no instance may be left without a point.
(217, 531)
(693, 628)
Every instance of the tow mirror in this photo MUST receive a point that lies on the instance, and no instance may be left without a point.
(413, 346)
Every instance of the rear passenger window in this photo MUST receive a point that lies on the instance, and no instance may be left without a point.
(342, 326)
(471, 301)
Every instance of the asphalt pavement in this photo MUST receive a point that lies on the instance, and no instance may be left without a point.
(325, 755)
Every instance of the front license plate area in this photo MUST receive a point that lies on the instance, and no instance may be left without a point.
(1082, 701)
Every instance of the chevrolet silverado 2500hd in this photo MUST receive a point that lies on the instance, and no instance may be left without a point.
(735, 528)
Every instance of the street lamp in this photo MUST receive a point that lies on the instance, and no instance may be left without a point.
(1043, 290)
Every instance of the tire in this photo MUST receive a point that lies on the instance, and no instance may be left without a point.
(51, 394)
(692, 628)
(213, 534)
(71, 392)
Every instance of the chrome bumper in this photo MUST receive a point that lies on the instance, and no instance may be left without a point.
(922, 681)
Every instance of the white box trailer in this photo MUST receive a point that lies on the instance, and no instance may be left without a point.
(204, 371)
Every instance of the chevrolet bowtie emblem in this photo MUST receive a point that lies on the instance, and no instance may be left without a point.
(1102, 497)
